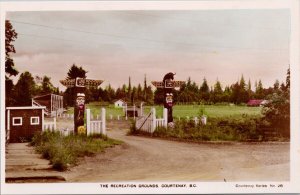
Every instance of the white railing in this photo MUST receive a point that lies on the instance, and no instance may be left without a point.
(160, 122)
(95, 126)
(203, 119)
(66, 116)
(149, 122)
(51, 126)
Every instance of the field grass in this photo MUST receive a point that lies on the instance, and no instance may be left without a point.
(209, 110)
(64, 151)
(182, 111)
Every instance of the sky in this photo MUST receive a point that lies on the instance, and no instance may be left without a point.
(113, 45)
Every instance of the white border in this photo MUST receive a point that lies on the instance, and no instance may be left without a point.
(204, 187)
(17, 124)
(35, 117)
(25, 108)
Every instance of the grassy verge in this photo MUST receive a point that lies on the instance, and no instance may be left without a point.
(242, 129)
(64, 151)
(216, 130)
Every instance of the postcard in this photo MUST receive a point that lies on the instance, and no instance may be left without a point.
(159, 97)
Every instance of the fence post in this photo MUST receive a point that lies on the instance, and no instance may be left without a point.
(165, 116)
(196, 120)
(88, 121)
(153, 120)
(204, 120)
(54, 121)
(133, 112)
(142, 109)
(103, 128)
(126, 112)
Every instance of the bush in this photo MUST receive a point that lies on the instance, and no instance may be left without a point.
(225, 129)
(64, 151)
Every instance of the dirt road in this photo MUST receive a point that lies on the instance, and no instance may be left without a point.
(147, 159)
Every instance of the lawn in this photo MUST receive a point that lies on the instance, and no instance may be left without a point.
(215, 111)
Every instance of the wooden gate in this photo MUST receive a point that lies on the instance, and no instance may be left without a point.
(149, 122)
(95, 126)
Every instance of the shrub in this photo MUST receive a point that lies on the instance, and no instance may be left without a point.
(225, 129)
(64, 151)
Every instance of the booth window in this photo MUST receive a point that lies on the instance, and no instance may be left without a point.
(17, 121)
(34, 120)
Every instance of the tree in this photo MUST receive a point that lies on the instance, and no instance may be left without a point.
(10, 36)
(47, 86)
(287, 84)
(277, 111)
(10, 70)
(249, 90)
(259, 92)
(216, 94)
(129, 89)
(145, 88)
(24, 90)
(76, 71)
(276, 85)
(243, 93)
(204, 91)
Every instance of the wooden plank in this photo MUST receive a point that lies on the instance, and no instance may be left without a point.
(80, 82)
(169, 84)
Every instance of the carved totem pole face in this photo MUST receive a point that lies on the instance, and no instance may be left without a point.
(80, 101)
(79, 111)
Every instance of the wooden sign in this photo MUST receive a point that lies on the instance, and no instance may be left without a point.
(80, 82)
(167, 84)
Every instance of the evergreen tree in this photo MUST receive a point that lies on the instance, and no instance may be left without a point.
(287, 83)
(10, 70)
(76, 71)
(259, 92)
(249, 90)
(276, 85)
(47, 86)
(204, 91)
(129, 89)
(216, 94)
(24, 90)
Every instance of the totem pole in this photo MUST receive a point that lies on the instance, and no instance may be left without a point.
(79, 85)
(168, 84)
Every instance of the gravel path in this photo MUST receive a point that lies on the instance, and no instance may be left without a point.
(148, 159)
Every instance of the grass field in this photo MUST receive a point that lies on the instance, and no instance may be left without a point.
(216, 111)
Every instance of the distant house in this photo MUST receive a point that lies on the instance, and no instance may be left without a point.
(257, 102)
(120, 103)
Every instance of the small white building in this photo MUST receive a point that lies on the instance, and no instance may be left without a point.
(120, 103)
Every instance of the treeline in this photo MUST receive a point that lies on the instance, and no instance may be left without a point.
(237, 93)
(27, 87)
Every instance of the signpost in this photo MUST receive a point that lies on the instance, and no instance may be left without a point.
(79, 85)
(168, 84)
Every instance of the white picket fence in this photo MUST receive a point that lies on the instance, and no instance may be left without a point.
(96, 126)
(203, 119)
(66, 116)
(51, 126)
(149, 123)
